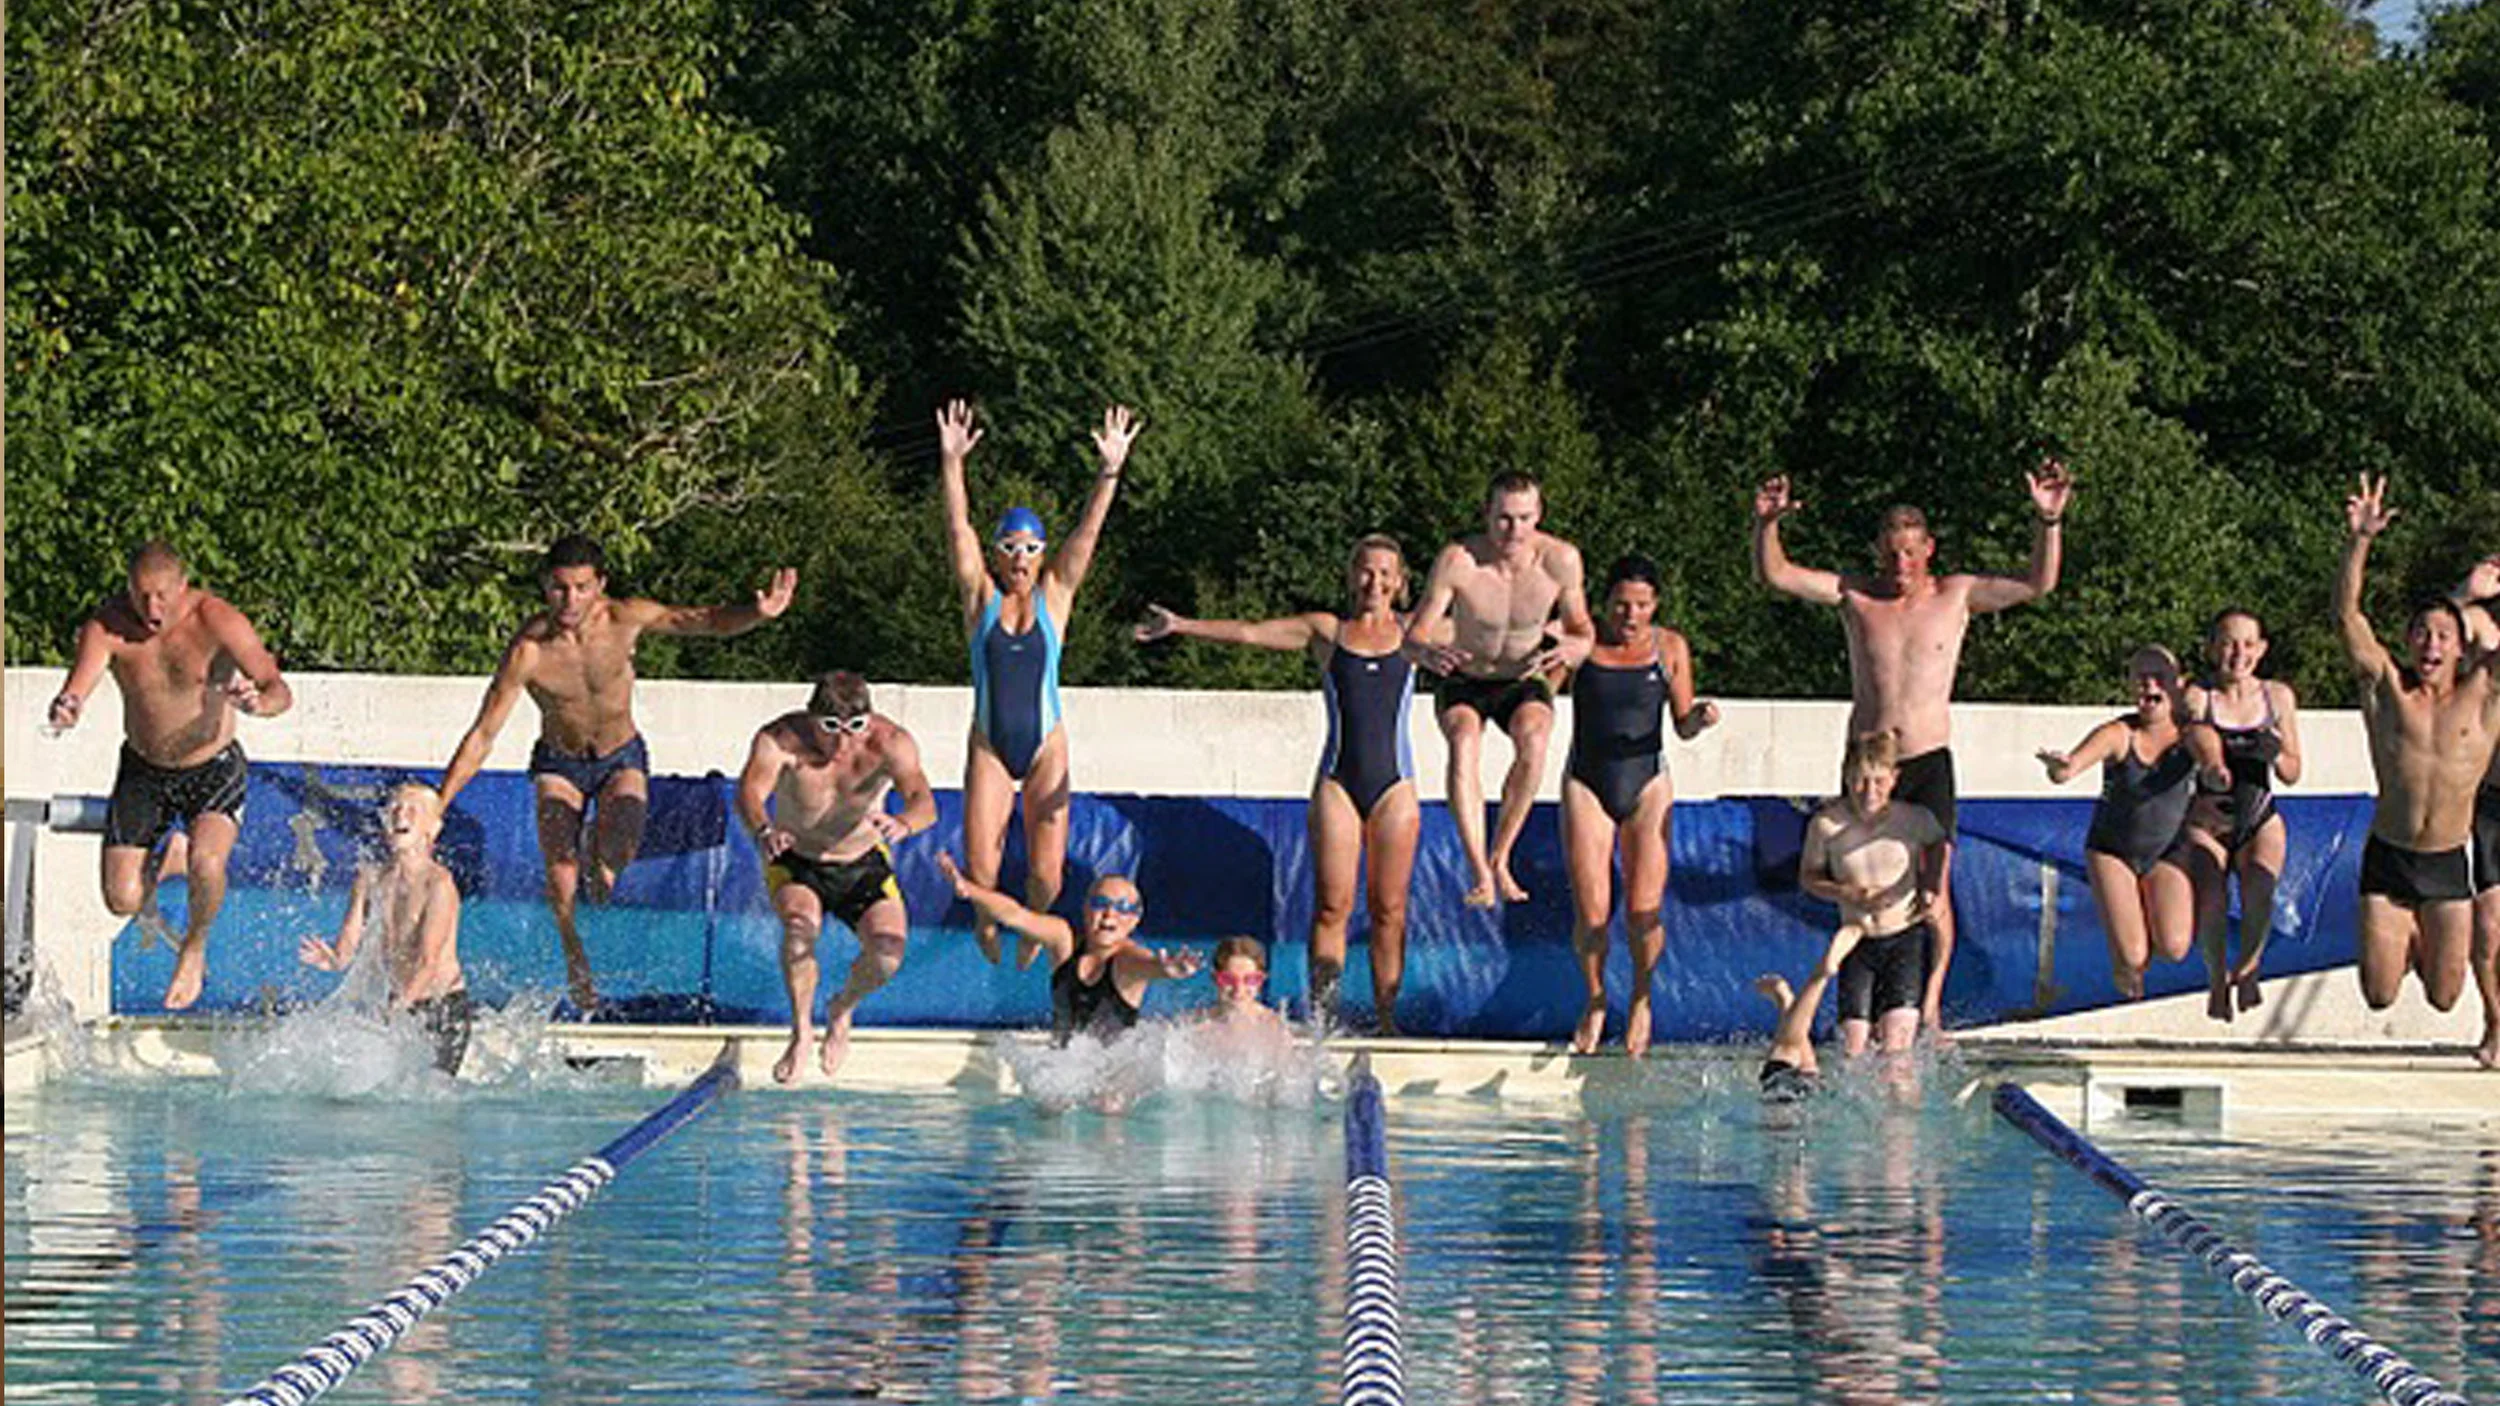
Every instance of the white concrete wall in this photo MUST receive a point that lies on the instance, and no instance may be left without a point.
(1145, 741)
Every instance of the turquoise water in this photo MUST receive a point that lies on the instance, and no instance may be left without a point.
(175, 1241)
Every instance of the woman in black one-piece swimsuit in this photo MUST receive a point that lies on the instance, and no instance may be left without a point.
(2249, 726)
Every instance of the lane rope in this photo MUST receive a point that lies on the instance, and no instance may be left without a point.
(1375, 1352)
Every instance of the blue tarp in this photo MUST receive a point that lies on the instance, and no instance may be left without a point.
(690, 936)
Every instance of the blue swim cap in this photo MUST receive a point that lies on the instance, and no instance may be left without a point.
(1016, 520)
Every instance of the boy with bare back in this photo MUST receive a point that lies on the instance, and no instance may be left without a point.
(186, 662)
(824, 771)
(1883, 863)
(2431, 723)
(576, 662)
(1500, 592)
(1905, 628)
(416, 904)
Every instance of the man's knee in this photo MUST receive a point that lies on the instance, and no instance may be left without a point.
(1462, 726)
(882, 953)
(123, 897)
(1530, 729)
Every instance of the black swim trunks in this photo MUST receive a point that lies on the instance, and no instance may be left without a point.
(1495, 700)
(447, 1019)
(2487, 839)
(2411, 877)
(589, 775)
(1927, 780)
(848, 888)
(148, 799)
(1783, 1082)
(1886, 974)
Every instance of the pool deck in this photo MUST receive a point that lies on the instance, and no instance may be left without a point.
(2088, 1080)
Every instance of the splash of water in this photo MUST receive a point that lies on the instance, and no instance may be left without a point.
(1198, 1059)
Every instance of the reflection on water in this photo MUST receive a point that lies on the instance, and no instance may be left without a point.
(177, 1242)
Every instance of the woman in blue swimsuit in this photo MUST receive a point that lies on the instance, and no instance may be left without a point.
(1015, 605)
(2142, 867)
(1617, 796)
(1364, 796)
(2250, 727)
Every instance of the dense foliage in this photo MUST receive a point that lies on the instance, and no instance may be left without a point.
(360, 301)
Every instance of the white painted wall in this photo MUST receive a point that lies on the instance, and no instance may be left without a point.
(1144, 741)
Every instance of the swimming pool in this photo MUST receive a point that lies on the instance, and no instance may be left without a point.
(171, 1240)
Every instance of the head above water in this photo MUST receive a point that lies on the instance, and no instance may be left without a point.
(1240, 968)
(1113, 909)
(413, 817)
(1376, 568)
(156, 581)
(1905, 548)
(1514, 503)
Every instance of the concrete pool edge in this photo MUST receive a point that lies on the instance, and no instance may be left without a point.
(2093, 1082)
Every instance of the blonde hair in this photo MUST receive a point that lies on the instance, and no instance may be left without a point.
(1870, 750)
(1378, 542)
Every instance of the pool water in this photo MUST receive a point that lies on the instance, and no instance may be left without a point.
(174, 1240)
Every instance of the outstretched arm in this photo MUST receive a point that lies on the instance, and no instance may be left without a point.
(2097, 746)
(1075, 556)
(1048, 929)
(2367, 515)
(715, 621)
(86, 670)
(1284, 633)
(502, 692)
(1771, 502)
(956, 438)
(1140, 964)
(2051, 490)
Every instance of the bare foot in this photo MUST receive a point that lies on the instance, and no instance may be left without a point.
(1026, 950)
(786, 1068)
(2130, 984)
(1507, 886)
(1636, 1027)
(1592, 1028)
(1480, 893)
(1775, 986)
(2487, 1054)
(1388, 1026)
(837, 1045)
(190, 970)
(986, 934)
(2250, 997)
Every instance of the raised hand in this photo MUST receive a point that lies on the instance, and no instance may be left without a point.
(956, 436)
(775, 598)
(313, 952)
(65, 710)
(2482, 580)
(1119, 429)
(1771, 501)
(2051, 488)
(2366, 512)
(1158, 624)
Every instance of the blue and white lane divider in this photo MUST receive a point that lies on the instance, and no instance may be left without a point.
(1375, 1352)
(329, 1362)
(2282, 1300)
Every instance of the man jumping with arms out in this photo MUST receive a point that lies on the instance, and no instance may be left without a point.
(825, 771)
(186, 662)
(1500, 590)
(2431, 724)
(575, 659)
(1905, 630)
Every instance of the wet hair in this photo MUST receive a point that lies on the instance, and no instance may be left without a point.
(431, 791)
(1631, 566)
(1871, 749)
(156, 555)
(574, 549)
(839, 694)
(2437, 605)
(1513, 482)
(1232, 947)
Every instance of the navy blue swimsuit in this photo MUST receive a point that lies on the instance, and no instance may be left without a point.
(1618, 715)
(1369, 697)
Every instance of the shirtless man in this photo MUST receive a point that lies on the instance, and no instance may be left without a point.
(2479, 596)
(186, 662)
(1499, 591)
(2431, 724)
(1905, 630)
(575, 659)
(415, 903)
(1883, 863)
(825, 770)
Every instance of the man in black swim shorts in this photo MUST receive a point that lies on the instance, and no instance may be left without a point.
(824, 772)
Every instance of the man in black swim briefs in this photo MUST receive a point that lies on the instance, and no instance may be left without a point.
(1905, 626)
(2432, 722)
(824, 772)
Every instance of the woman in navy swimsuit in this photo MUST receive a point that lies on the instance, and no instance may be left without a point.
(2141, 867)
(1016, 605)
(1364, 796)
(1617, 795)
(2251, 728)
